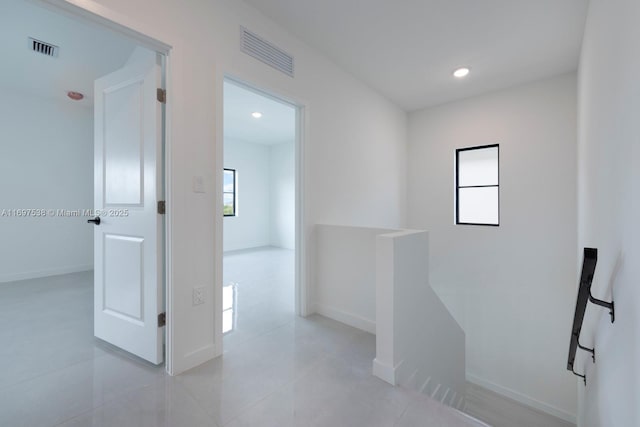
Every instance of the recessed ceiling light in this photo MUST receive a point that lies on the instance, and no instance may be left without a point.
(461, 72)
(256, 114)
(76, 96)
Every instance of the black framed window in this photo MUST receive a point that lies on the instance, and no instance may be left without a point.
(229, 192)
(478, 185)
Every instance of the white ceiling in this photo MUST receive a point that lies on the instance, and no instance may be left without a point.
(86, 53)
(407, 49)
(277, 124)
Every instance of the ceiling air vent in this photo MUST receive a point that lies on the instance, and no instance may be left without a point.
(43, 48)
(259, 48)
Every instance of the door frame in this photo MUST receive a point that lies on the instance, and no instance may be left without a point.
(302, 306)
(95, 14)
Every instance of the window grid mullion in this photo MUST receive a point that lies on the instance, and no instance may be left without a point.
(478, 186)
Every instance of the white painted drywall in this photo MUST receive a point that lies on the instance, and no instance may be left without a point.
(276, 125)
(345, 282)
(418, 343)
(347, 124)
(265, 192)
(46, 162)
(609, 208)
(250, 228)
(510, 287)
(78, 63)
(409, 49)
(282, 195)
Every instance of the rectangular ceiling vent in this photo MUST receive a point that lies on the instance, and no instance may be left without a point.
(259, 48)
(43, 48)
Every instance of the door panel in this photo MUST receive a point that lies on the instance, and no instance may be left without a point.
(124, 285)
(128, 288)
(124, 144)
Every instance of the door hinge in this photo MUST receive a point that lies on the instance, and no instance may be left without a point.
(162, 95)
(162, 207)
(162, 320)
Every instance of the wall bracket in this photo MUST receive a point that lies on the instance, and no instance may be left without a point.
(609, 305)
(584, 377)
(590, 350)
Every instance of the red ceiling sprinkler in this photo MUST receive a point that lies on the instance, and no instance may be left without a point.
(76, 96)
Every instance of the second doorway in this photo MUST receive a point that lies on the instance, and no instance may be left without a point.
(259, 199)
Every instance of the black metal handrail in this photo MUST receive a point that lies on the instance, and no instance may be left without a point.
(584, 295)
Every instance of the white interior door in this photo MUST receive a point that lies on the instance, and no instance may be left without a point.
(128, 240)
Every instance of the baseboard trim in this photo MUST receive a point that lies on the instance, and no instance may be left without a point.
(385, 372)
(346, 318)
(522, 398)
(243, 249)
(195, 358)
(44, 273)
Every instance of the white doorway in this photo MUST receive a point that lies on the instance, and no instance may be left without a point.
(261, 198)
(48, 187)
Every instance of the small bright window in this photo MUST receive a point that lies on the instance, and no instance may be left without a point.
(478, 185)
(229, 297)
(229, 192)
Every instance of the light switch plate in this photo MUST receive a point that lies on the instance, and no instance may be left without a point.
(198, 184)
(198, 295)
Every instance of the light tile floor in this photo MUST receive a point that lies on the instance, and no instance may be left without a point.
(500, 411)
(51, 366)
(277, 370)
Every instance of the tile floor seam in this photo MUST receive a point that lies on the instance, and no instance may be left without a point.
(260, 335)
(115, 398)
(404, 411)
(325, 355)
(43, 374)
(196, 400)
(81, 414)
(105, 403)
(250, 406)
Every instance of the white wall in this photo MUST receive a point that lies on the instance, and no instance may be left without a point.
(282, 187)
(346, 122)
(512, 287)
(251, 227)
(265, 177)
(345, 282)
(46, 162)
(608, 209)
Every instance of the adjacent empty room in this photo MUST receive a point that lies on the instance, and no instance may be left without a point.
(48, 191)
(259, 213)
